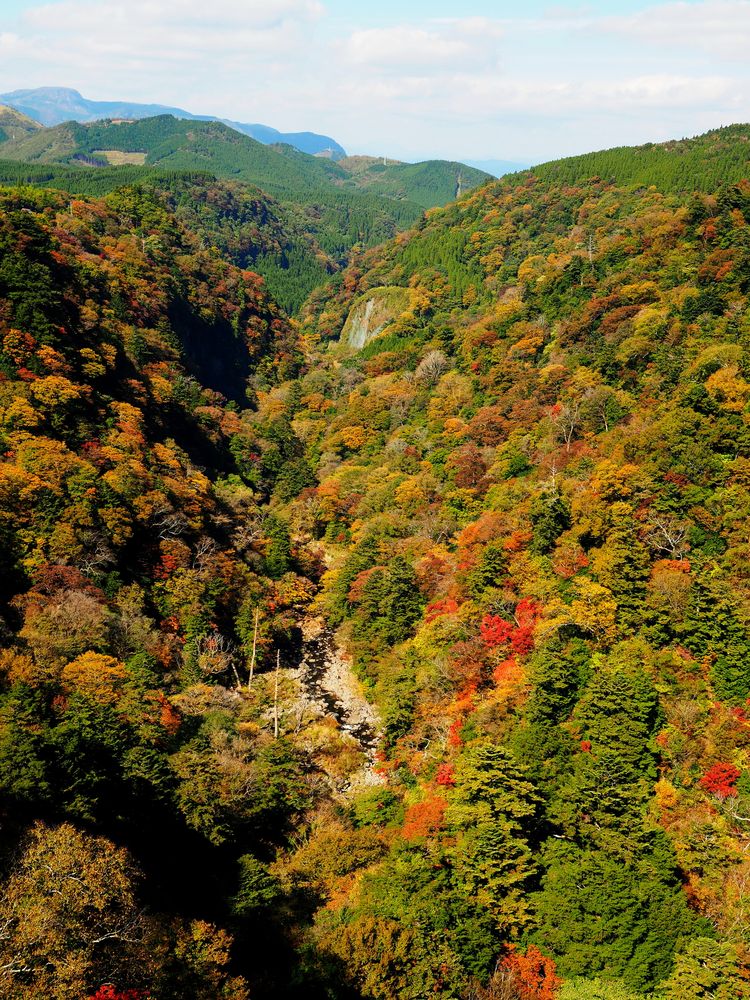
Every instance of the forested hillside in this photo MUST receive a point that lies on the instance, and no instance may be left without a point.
(699, 164)
(337, 208)
(335, 219)
(534, 481)
(239, 221)
(14, 125)
(522, 503)
(295, 218)
(281, 169)
(140, 791)
(430, 183)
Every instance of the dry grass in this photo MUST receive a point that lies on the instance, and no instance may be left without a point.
(118, 158)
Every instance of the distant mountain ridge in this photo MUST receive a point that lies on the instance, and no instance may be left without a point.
(280, 169)
(55, 105)
(322, 208)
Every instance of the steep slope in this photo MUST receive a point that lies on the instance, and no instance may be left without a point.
(55, 105)
(252, 231)
(108, 312)
(505, 456)
(148, 764)
(721, 156)
(325, 209)
(14, 125)
(246, 225)
(322, 221)
(280, 241)
(534, 489)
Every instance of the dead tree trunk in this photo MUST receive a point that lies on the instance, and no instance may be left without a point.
(255, 647)
(276, 698)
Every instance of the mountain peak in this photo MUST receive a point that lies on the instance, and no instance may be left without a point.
(47, 92)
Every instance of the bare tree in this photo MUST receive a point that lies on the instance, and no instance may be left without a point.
(502, 986)
(737, 811)
(276, 698)
(205, 548)
(668, 533)
(431, 367)
(566, 419)
(168, 522)
(98, 552)
(216, 654)
(250, 530)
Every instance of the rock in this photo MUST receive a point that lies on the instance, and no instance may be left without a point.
(328, 683)
(372, 313)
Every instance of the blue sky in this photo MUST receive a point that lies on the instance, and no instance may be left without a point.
(501, 80)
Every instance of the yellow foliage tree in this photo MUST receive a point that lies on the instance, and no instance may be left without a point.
(54, 391)
(728, 388)
(353, 437)
(594, 610)
(96, 676)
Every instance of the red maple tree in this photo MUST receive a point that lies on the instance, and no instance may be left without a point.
(720, 779)
(110, 992)
(534, 975)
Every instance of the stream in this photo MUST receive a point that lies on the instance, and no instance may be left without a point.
(330, 687)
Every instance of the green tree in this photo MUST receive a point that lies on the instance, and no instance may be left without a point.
(279, 550)
(257, 890)
(598, 915)
(556, 674)
(490, 570)
(619, 712)
(706, 969)
(622, 565)
(391, 603)
(550, 517)
(492, 807)
(25, 754)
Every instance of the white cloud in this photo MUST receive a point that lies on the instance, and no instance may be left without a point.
(111, 44)
(484, 96)
(718, 27)
(85, 15)
(399, 46)
(9, 42)
(440, 45)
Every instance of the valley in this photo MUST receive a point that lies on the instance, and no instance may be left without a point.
(375, 607)
(321, 211)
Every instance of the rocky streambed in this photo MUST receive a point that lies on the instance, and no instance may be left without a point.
(329, 687)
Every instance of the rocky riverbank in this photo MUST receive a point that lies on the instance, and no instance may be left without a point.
(329, 688)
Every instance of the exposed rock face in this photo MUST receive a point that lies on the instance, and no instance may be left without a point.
(372, 313)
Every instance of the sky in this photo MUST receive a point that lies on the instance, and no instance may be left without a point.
(413, 79)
